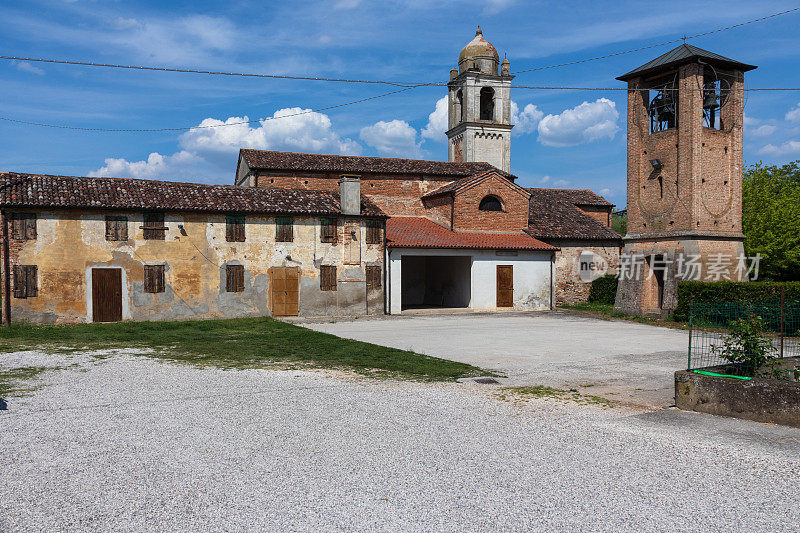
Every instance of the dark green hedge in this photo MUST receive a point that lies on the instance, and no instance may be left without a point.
(603, 290)
(728, 291)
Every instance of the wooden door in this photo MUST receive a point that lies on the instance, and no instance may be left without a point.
(284, 295)
(106, 294)
(505, 286)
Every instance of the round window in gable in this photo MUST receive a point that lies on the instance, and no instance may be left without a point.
(490, 203)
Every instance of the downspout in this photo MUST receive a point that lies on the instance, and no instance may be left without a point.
(552, 281)
(6, 271)
(387, 281)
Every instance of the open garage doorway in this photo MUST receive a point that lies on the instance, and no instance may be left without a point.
(430, 281)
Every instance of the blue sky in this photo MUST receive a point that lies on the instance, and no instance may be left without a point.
(563, 138)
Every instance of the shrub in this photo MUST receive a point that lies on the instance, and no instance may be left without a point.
(732, 292)
(746, 345)
(603, 290)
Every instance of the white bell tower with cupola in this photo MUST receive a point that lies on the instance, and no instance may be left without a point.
(479, 110)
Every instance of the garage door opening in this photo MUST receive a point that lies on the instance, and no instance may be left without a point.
(435, 281)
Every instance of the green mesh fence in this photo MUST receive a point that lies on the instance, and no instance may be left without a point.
(746, 339)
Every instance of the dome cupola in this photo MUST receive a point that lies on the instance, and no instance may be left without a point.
(479, 56)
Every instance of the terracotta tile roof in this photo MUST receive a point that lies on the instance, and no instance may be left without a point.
(37, 190)
(272, 160)
(463, 183)
(554, 214)
(420, 232)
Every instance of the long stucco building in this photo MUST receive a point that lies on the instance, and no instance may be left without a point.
(310, 234)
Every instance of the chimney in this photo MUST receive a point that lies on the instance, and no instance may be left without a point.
(350, 195)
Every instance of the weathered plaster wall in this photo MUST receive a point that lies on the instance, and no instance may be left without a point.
(70, 244)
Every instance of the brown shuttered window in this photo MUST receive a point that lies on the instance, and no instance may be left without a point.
(373, 277)
(154, 228)
(234, 278)
(328, 229)
(23, 226)
(373, 232)
(284, 229)
(116, 228)
(327, 278)
(154, 278)
(234, 228)
(26, 284)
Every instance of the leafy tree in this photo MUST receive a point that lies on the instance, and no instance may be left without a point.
(619, 223)
(771, 219)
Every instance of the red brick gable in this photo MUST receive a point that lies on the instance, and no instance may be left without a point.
(418, 232)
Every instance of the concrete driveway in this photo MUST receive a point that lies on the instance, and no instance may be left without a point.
(629, 362)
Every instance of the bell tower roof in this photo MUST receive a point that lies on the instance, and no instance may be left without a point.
(685, 53)
(479, 55)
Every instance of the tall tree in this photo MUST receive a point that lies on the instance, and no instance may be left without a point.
(771, 218)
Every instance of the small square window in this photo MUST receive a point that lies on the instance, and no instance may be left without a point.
(26, 283)
(373, 277)
(116, 228)
(23, 226)
(328, 229)
(154, 278)
(154, 228)
(234, 278)
(327, 278)
(234, 228)
(284, 227)
(373, 232)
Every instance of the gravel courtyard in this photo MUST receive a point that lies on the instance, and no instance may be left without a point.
(126, 442)
(626, 361)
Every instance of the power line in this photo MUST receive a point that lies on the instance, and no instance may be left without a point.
(211, 72)
(673, 41)
(564, 88)
(379, 82)
(140, 130)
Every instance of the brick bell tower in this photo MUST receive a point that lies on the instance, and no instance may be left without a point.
(479, 106)
(685, 118)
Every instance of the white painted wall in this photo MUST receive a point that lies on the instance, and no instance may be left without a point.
(532, 277)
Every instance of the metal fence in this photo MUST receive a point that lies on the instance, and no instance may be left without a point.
(746, 339)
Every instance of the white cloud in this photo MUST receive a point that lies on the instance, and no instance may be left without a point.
(794, 114)
(24, 66)
(205, 152)
(437, 122)
(527, 121)
(181, 164)
(605, 191)
(396, 138)
(346, 4)
(495, 6)
(789, 147)
(750, 121)
(585, 123)
(561, 183)
(763, 131)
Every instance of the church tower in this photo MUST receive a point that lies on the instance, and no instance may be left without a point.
(685, 121)
(479, 106)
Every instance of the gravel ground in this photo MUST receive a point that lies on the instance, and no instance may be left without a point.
(135, 444)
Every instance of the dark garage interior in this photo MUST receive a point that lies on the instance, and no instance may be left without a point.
(435, 281)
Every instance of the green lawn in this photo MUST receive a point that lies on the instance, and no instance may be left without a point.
(239, 343)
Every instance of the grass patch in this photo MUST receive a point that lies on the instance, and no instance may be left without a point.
(606, 311)
(240, 343)
(14, 382)
(550, 393)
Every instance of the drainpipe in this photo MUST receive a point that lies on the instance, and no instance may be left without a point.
(552, 281)
(387, 281)
(6, 272)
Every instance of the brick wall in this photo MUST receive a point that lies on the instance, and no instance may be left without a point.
(570, 288)
(597, 212)
(512, 219)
